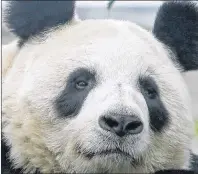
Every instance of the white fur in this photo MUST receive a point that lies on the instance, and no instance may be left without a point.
(119, 51)
(8, 54)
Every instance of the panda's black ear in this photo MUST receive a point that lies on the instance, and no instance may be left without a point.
(176, 25)
(32, 17)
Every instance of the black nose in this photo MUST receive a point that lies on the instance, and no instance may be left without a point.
(121, 124)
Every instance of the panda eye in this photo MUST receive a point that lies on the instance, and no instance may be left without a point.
(81, 85)
(148, 87)
(151, 93)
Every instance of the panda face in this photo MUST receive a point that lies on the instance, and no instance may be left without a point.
(97, 96)
(83, 81)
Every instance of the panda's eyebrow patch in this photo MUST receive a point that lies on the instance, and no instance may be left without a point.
(70, 100)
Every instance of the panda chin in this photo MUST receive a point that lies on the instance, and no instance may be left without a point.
(109, 161)
(114, 152)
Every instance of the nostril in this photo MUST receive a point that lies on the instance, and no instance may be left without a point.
(110, 122)
(121, 124)
(134, 127)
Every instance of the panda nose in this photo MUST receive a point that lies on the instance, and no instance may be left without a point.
(121, 124)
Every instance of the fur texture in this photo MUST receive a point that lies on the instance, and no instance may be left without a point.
(119, 53)
(8, 54)
(27, 19)
(176, 26)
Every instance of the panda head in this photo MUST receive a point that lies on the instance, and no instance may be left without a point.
(97, 95)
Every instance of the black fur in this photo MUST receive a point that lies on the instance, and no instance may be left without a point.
(194, 163)
(176, 25)
(30, 18)
(70, 101)
(175, 172)
(159, 116)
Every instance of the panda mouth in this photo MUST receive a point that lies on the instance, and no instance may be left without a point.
(116, 152)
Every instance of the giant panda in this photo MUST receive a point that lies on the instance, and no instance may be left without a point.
(97, 96)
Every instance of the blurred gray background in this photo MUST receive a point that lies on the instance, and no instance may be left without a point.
(140, 12)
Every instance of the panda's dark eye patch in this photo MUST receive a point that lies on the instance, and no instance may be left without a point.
(159, 116)
(151, 93)
(148, 87)
(78, 85)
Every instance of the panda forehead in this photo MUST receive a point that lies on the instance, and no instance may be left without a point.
(91, 32)
(102, 42)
